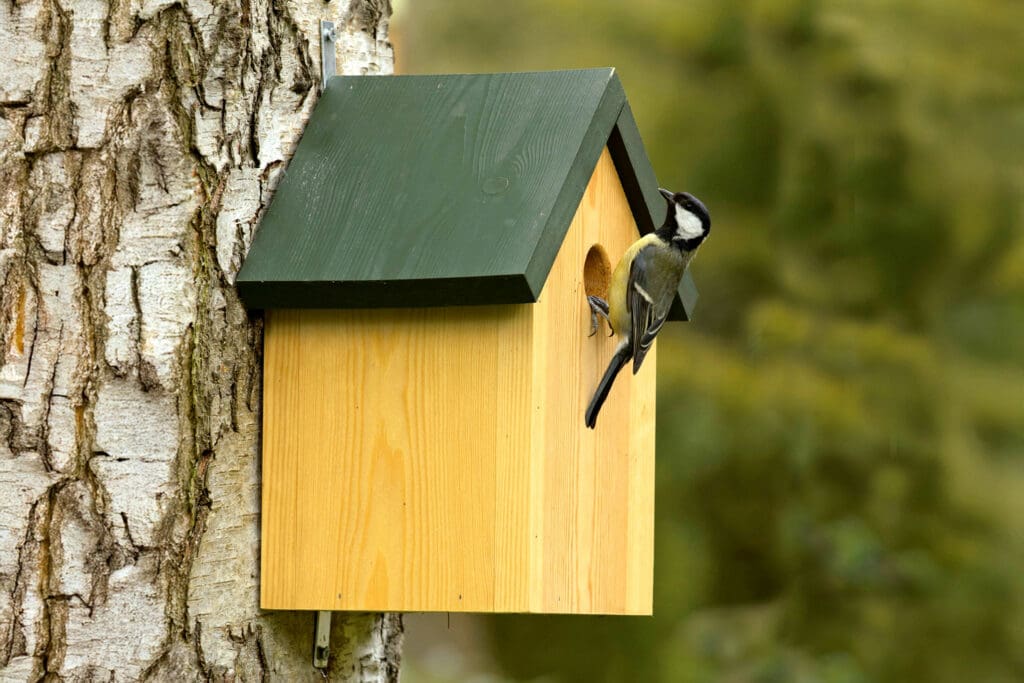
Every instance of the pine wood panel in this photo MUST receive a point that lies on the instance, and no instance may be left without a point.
(380, 464)
(590, 476)
(436, 459)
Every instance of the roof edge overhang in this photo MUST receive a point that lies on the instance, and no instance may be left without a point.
(641, 187)
(419, 293)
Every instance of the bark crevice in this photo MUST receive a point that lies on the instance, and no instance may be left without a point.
(139, 145)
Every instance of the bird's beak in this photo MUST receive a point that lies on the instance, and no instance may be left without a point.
(666, 194)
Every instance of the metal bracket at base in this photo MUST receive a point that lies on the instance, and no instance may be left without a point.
(321, 639)
(328, 59)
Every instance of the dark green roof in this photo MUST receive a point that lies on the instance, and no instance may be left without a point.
(443, 190)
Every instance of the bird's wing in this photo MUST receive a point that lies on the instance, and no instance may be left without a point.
(649, 298)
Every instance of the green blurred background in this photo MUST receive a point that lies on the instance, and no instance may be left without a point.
(840, 490)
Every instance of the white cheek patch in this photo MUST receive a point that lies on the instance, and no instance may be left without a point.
(688, 225)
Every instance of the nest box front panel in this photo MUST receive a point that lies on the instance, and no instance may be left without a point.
(436, 458)
(602, 480)
(596, 510)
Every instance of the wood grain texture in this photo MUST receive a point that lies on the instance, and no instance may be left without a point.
(587, 512)
(436, 458)
(381, 458)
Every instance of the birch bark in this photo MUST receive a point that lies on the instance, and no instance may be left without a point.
(139, 141)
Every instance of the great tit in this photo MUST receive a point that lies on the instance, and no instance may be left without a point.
(644, 285)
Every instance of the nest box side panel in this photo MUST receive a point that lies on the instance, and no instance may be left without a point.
(394, 448)
(592, 508)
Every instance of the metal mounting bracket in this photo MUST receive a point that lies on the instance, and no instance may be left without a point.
(328, 58)
(321, 639)
(328, 68)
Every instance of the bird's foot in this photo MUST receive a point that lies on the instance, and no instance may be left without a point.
(598, 307)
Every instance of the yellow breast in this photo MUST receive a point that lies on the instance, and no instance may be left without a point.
(618, 313)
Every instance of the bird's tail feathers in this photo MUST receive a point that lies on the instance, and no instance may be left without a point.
(622, 354)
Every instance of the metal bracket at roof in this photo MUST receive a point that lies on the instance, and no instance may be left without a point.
(328, 58)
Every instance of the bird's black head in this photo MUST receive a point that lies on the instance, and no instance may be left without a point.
(687, 222)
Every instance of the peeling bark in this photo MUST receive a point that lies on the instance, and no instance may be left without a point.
(139, 142)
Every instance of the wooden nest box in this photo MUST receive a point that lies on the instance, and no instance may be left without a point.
(421, 453)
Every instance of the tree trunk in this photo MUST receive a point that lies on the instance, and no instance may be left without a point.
(138, 143)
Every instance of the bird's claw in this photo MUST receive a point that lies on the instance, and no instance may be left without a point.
(598, 307)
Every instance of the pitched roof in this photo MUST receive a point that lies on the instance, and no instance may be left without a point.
(443, 190)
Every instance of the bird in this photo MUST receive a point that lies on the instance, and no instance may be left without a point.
(644, 285)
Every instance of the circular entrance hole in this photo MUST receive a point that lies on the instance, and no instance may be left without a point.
(597, 272)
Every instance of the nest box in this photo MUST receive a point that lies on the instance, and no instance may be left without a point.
(424, 267)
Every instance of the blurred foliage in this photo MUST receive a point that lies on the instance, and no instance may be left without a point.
(841, 428)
